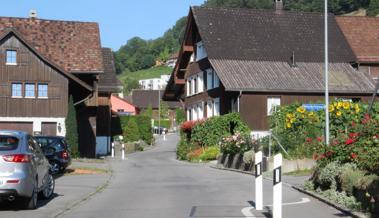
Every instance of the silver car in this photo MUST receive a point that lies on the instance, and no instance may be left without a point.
(24, 170)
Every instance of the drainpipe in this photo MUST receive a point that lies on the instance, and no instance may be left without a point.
(238, 101)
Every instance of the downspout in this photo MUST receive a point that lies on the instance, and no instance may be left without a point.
(238, 101)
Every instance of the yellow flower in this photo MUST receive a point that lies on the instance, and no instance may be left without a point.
(300, 109)
(289, 115)
(292, 120)
(338, 113)
(331, 108)
(311, 114)
(357, 110)
(335, 104)
(339, 105)
(346, 105)
(289, 125)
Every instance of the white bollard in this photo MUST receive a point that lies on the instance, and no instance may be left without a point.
(258, 181)
(123, 152)
(112, 149)
(164, 136)
(277, 198)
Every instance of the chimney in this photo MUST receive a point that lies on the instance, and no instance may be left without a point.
(33, 14)
(278, 5)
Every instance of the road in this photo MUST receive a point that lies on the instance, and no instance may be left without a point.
(154, 184)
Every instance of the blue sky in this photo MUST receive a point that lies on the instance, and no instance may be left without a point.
(119, 20)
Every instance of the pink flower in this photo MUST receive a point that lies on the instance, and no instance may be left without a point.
(319, 139)
(309, 139)
(353, 155)
(349, 141)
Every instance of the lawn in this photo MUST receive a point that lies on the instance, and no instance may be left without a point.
(153, 72)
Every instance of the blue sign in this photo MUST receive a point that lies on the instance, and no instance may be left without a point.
(314, 107)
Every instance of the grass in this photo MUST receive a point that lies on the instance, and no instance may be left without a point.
(153, 72)
(88, 160)
(85, 171)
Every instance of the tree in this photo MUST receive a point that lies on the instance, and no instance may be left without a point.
(131, 133)
(72, 129)
(373, 8)
(164, 110)
(180, 115)
(148, 112)
(129, 85)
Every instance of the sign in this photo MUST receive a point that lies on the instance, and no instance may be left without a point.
(314, 107)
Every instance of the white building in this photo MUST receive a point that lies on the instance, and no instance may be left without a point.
(154, 83)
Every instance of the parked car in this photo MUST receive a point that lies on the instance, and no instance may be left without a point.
(56, 151)
(24, 169)
(160, 130)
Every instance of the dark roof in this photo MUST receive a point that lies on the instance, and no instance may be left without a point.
(145, 98)
(362, 33)
(264, 76)
(266, 35)
(108, 81)
(71, 45)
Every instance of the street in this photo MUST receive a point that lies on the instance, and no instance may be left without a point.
(154, 184)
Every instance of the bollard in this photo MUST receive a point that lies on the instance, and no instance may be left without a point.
(277, 198)
(123, 152)
(112, 149)
(164, 136)
(258, 181)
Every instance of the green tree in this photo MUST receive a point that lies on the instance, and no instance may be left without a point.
(131, 132)
(72, 129)
(180, 115)
(129, 85)
(164, 110)
(148, 112)
(373, 8)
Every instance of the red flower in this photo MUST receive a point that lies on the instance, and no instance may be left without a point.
(366, 119)
(335, 142)
(319, 139)
(322, 156)
(309, 139)
(329, 153)
(353, 134)
(353, 155)
(349, 141)
(353, 124)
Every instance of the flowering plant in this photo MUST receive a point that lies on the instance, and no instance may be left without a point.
(237, 143)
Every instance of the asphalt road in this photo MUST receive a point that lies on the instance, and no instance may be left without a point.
(154, 184)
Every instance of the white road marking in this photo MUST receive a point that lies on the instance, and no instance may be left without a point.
(247, 210)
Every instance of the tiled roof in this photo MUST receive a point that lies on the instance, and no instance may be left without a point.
(73, 46)
(145, 98)
(265, 76)
(362, 33)
(108, 81)
(267, 35)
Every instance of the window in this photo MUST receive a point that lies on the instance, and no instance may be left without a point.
(11, 57)
(30, 90)
(209, 109)
(200, 51)
(195, 81)
(120, 110)
(272, 102)
(216, 107)
(200, 111)
(200, 82)
(194, 113)
(188, 114)
(16, 90)
(212, 79)
(42, 90)
(188, 87)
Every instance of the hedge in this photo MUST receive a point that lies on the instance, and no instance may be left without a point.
(143, 126)
(164, 123)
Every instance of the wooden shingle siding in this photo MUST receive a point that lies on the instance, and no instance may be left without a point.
(30, 69)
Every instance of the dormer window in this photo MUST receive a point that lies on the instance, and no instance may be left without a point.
(11, 57)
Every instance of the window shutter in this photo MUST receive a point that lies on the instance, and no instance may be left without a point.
(209, 109)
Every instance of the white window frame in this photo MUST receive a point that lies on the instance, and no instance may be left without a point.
(38, 90)
(12, 58)
(209, 108)
(194, 113)
(188, 87)
(216, 107)
(272, 102)
(200, 111)
(16, 96)
(34, 90)
(200, 51)
(209, 79)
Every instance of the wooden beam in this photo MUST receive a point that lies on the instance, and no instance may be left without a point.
(180, 81)
(187, 48)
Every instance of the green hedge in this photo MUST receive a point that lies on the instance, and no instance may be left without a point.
(142, 129)
(210, 132)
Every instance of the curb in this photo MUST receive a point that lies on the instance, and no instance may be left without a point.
(314, 195)
(86, 198)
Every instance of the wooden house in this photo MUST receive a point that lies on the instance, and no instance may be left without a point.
(247, 61)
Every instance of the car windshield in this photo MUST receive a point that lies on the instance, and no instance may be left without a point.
(51, 142)
(8, 143)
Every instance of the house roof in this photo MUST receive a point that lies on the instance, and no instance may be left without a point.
(145, 98)
(71, 45)
(362, 33)
(44, 59)
(267, 35)
(264, 76)
(108, 81)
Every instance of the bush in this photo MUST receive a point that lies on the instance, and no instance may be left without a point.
(236, 143)
(72, 129)
(341, 198)
(164, 123)
(182, 150)
(143, 126)
(249, 157)
(195, 154)
(349, 178)
(180, 116)
(210, 153)
(327, 176)
(367, 192)
(210, 132)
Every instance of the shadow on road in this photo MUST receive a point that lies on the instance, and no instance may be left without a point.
(16, 205)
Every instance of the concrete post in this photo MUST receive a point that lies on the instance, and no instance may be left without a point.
(112, 149)
(277, 196)
(258, 181)
(123, 152)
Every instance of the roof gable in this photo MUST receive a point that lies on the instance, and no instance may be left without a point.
(73, 46)
(265, 35)
(45, 60)
(108, 81)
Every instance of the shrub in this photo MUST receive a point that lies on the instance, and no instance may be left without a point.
(180, 116)
(72, 129)
(131, 133)
(327, 176)
(210, 153)
(249, 157)
(368, 192)
(236, 143)
(349, 178)
(195, 154)
(341, 198)
(144, 129)
(143, 126)
(210, 132)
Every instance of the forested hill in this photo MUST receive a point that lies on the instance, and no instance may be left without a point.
(140, 54)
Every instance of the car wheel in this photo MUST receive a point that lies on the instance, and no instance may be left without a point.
(31, 202)
(55, 167)
(48, 187)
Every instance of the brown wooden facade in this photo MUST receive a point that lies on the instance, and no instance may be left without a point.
(30, 69)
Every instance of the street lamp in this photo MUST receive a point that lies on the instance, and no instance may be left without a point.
(326, 77)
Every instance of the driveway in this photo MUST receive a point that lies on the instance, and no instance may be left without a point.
(154, 184)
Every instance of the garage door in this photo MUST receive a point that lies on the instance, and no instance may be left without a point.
(49, 129)
(20, 126)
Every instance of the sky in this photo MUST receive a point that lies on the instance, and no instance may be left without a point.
(119, 20)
